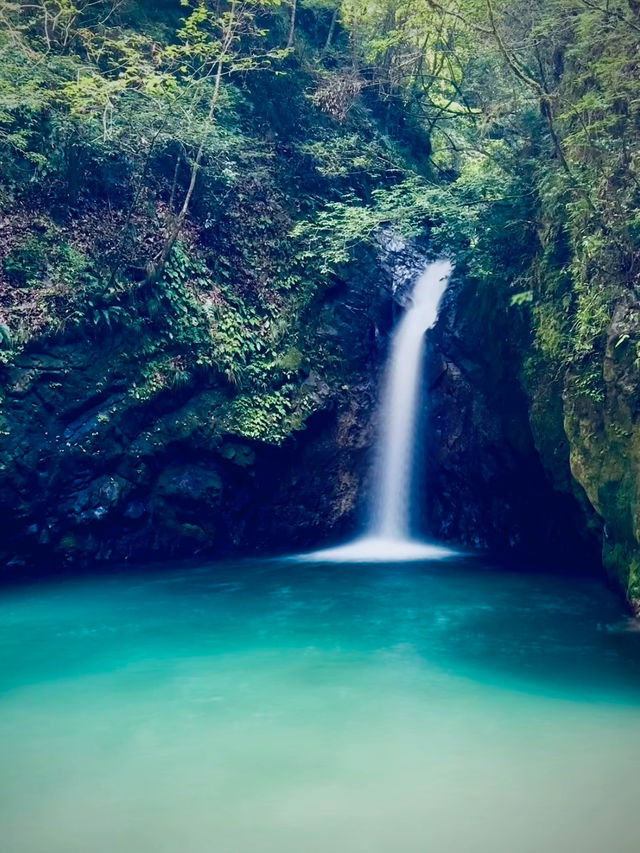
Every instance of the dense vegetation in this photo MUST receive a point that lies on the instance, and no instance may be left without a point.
(191, 178)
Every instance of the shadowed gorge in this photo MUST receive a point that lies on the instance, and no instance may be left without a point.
(211, 217)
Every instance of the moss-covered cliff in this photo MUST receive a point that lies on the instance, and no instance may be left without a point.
(174, 376)
(97, 466)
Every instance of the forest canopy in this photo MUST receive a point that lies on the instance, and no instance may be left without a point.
(504, 132)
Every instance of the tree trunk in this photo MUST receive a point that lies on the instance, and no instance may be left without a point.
(177, 221)
(332, 29)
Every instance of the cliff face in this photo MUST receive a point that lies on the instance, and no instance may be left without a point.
(103, 459)
(532, 454)
(93, 470)
(497, 476)
(219, 398)
(604, 438)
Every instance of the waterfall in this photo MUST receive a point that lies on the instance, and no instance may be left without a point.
(391, 510)
(388, 536)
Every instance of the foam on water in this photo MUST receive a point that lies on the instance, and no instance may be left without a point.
(376, 549)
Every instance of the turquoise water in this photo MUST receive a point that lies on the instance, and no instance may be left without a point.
(276, 707)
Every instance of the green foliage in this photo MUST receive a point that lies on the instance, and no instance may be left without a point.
(523, 298)
(532, 114)
(591, 320)
(345, 155)
(339, 228)
(269, 417)
(262, 417)
(198, 208)
(162, 374)
(25, 265)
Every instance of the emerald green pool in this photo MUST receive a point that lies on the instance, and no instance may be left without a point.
(284, 707)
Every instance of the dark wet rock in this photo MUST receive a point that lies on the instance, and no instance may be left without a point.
(89, 472)
(496, 478)
(603, 434)
(92, 472)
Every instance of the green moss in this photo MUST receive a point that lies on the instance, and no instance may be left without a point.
(291, 360)
(622, 561)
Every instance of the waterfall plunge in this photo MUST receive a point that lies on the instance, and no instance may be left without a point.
(399, 409)
(389, 533)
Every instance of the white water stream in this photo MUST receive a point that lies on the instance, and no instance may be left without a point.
(389, 533)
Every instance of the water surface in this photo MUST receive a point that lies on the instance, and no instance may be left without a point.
(282, 707)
